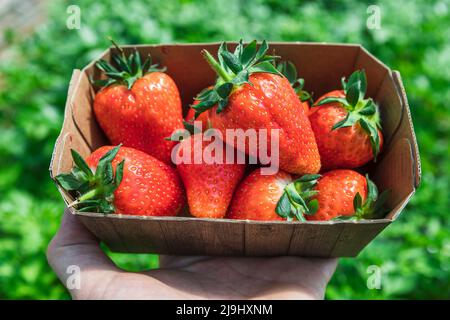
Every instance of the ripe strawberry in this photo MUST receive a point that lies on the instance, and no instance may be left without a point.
(288, 69)
(339, 194)
(257, 196)
(347, 126)
(141, 184)
(209, 186)
(251, 94)
(138, 106)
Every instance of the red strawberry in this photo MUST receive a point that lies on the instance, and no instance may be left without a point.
(343, 194)
(251, 94)
(139, 106)
(335, 193)
(347, 126)
(141, 184)
(257, 196)
(209, 186)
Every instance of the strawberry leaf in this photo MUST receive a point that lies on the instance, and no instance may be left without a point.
(372, 132)
(353, 92)
(248, 54)
(80, 163)
(298, 198)
(283, 207)
(374, 205)
(327, 100)
(127, 69)
(94, 192)
(233, 70)
(68, 181)
(348, 121)
(231, 61)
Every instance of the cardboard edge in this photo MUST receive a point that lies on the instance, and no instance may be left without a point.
(250, 222)
(73, 111)
(398, 209)
(59, 143)
(218, 43)
(415, 147)
(359, 240)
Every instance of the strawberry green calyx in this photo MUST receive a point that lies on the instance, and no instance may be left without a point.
(288, 69)
(127, 69)
(298, 198)
(233, 70)
(372, 208)
(363, 111)
(95, 191)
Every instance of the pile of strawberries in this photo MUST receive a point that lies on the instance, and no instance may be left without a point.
(139, 108)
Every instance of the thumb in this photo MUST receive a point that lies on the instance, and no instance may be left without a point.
(76, 257)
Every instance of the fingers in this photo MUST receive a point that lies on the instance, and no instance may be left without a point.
(76, 257)
(171, 261)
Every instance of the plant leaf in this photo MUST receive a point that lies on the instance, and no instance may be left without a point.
(353, 93)
(348, 121)
(248, 54)
(326, 100)
(283, 207)
(68, 181)
(80, 163)
(373, 135)
(224, 90)
(264, 66)
(231, 61)
(357, 202)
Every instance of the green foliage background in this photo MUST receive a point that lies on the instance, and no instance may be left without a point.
(413, 253)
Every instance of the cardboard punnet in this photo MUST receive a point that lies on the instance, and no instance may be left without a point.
(321, 65)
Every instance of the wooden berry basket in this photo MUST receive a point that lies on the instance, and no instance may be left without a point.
(322, 66)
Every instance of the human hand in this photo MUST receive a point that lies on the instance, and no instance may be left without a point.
(181, 277)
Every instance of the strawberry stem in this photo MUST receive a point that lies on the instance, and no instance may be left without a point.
(216, 66)
(89, 195)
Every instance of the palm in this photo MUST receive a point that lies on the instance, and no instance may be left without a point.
(185, 277)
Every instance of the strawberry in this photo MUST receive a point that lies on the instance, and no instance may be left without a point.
(124, 181)
(338, 194)
(347, 126)
(138, 106)
(251, 93)
(257, 196)
(288, 69)
(209, 186)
